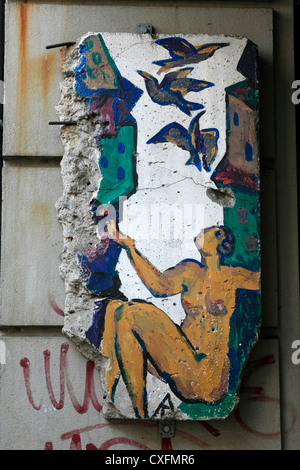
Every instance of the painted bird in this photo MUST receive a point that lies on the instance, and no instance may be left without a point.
(183, 52)
(201, 144)
(173, 88)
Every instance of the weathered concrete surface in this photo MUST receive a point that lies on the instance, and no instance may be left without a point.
(44, 382)
(32, 292)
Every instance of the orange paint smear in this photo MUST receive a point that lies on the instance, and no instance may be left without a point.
(22, 69)
(34, 77)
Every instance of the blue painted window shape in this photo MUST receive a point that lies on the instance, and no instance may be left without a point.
(120, 173)
(104, 162)
(121, 147)
(248, 152)
(236, 120)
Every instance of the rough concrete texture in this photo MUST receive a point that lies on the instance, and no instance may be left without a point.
(32, 292)
(82, 179)
(80, 175)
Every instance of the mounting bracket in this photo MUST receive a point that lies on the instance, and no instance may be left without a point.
(144, 28)
(166, 428)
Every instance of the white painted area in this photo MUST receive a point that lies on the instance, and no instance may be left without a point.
(133, 52)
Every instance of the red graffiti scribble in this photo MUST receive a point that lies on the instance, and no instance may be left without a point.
(89, 385)
(192, 438)
(76, 444)
(48, 446)
(251, 430)
(25, 363)
(122, 440)
(91, 446)
(75, 436)
(213, 431)
(166, 443)
(253, 367)
(256, 365)
(76, 433)
(89, 393)
(64, 349)
(259, 395)
(256, 394)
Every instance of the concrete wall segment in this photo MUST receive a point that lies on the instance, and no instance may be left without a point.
(32, 292)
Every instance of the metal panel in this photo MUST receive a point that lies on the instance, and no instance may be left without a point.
(32, 289)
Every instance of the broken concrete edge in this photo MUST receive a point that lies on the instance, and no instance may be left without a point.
(86, 129)
(222, 196)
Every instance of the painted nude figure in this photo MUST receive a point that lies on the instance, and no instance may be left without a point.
(191, 358)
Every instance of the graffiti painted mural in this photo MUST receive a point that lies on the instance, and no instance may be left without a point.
(160, 213)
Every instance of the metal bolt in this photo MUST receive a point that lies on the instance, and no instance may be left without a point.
(167, 428)
(143, 28)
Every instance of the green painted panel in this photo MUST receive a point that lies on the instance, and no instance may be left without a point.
(116, 165)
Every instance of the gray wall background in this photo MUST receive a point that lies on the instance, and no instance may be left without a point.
(43, 377)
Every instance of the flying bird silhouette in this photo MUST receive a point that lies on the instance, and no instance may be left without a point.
(183, 52)
(202, 145)
(173, 88)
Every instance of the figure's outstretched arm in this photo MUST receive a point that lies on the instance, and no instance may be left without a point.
(247, 279)
(160, 284)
